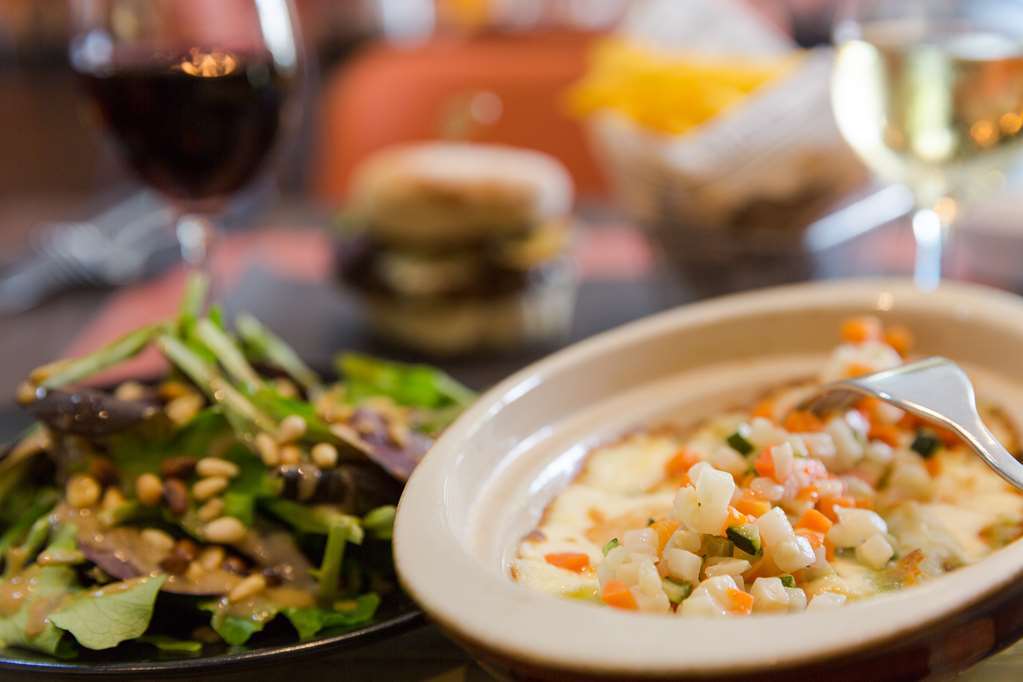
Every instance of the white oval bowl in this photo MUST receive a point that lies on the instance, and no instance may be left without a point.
(487, 480)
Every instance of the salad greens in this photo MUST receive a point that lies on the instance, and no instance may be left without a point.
(239, 490)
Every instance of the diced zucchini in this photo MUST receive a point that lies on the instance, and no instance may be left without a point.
(712, 545)
(611, 544)
(739, 443)
(788, 580)
(746, 537)
(677, 590)
(925, 443)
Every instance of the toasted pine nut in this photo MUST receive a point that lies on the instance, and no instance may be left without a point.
(82, 491)
(26, 393)
(224, 530)
(171, 389)
(211, 558)
(158, 540)
(291, 455)
(215, 466)
(208, 487)
(182, 410)
(211, 510)
(324, 455)
(130, 390)
(292, 428)
(149, 489)
(267, 448)
(112, 498)
(248, 587)
(194, 571)
(285, 387)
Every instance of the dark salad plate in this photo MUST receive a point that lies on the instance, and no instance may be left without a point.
(234, 512)
(275, 647)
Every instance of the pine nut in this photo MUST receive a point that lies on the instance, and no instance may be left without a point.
(267, 449)
(26, 393)
(112, 499)
(82, 491)
(224, 530)
(285, 388)
(130, 390)
(248, 587)
(211, 510)
(215, 466)
(292, 428)
(324, 455)
(158, 540)
(195, 571)
(290, 455)
(211, 558)
(182, 410)
(208, 487)
(149, 489)
(169, 390)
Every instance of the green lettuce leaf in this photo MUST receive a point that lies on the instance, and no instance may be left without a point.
(237, 628)
(46, 586)
(310, 621)
(409, 385)
(172, 644)
(105, 617)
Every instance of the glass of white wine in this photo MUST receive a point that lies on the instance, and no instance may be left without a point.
(930, 94)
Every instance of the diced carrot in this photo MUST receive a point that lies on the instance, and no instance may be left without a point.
(808, 494)
(814, 537)
(765, 409)
(680, 463)
(886, 433)
(900, 338)
(829, 550)
(909, 421)
(570, 561)
(752, 506)
(860, 329)
(856, 369)
(764, 464)
(735, 517)
(827, 506)
(617, 594)
(868, 406)
(802, 421)
(863, 503)
(947, 436)
(664, 529)
(739, 601)
(814, 520)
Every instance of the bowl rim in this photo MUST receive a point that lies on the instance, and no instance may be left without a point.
(479, 606)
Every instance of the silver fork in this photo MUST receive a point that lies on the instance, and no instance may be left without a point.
(936, 389)
(111, 249)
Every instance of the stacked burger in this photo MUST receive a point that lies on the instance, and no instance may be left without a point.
(457, 247)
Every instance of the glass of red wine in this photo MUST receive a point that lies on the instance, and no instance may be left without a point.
(194, 92)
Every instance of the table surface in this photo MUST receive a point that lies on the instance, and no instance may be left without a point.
(288, 258)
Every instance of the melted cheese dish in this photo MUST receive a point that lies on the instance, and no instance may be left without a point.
(774, 510)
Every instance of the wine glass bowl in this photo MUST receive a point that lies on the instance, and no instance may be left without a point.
(930, 95)
(194, 92)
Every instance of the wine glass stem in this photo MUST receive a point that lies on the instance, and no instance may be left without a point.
(931, 233)
(196, 236)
